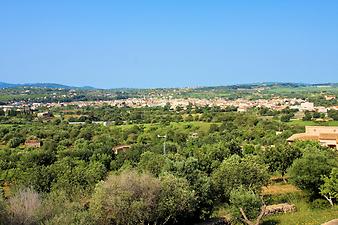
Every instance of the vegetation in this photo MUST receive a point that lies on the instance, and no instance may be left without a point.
(180, 166)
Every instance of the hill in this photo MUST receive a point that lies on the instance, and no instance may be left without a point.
(42, 85)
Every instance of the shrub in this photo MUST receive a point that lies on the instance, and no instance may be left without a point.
(75, 214)
(319, 204)
(3, 212)
(128, 198)
(23, 207)
(132, 198)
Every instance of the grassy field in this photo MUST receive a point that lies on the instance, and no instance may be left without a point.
(306, 90)
(194, 125)
(287, 193)
(198, 125)
(312, 123)
(280, 188)
(305, 215)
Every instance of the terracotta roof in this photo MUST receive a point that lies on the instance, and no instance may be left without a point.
(122, 146)
(328, 136)
(303, 137)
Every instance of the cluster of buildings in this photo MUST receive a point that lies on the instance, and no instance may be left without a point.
(241, 104)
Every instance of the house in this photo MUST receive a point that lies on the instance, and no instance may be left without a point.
(44, 114)
(76, 123)
(307, 106)
(104, 123)
(330, 97)
(243, 107)
(325, 135)
(321, 109)
(121, 148)
(33, 143)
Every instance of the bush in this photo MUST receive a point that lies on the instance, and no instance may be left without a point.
(306, 172)
(3, 212)
(319, 204)
(23, 207)
(276, 199)
(15, 142)
(132, 198)
(72, 215)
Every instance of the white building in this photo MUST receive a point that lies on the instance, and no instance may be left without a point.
(321, 109)
(307, 106)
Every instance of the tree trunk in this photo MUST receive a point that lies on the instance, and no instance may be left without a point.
(258, 220)
(245, 220)
(329, 200)
(166, 220)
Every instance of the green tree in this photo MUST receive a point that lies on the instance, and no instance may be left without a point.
(75, 175)
(333, 114)
(236, 171)
(329, 189)
(152, 163)
(246, 206)
(279, 158)
(286, 117)
(15, 142)
(306, 172)
(307, 116)
(176, 199)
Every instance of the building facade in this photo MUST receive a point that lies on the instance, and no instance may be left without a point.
(325, 135)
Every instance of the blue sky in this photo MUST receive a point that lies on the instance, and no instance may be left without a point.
(168, 43)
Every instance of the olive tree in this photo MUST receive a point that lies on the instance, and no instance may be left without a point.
(246, 206)
(236, 171)
(329, 189)
(306, 172)
(279, 158)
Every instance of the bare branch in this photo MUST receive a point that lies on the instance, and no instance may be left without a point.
(246, 220)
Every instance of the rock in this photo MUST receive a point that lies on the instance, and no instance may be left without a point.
(279, 208)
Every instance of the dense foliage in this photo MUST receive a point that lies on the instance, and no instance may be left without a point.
(209, 158)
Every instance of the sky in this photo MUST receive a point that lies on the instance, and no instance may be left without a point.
(168, 43)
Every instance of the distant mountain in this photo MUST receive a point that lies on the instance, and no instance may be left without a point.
(6, 85)
(42, 85)
(267, 84)
(235, 86)
(326, 84)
